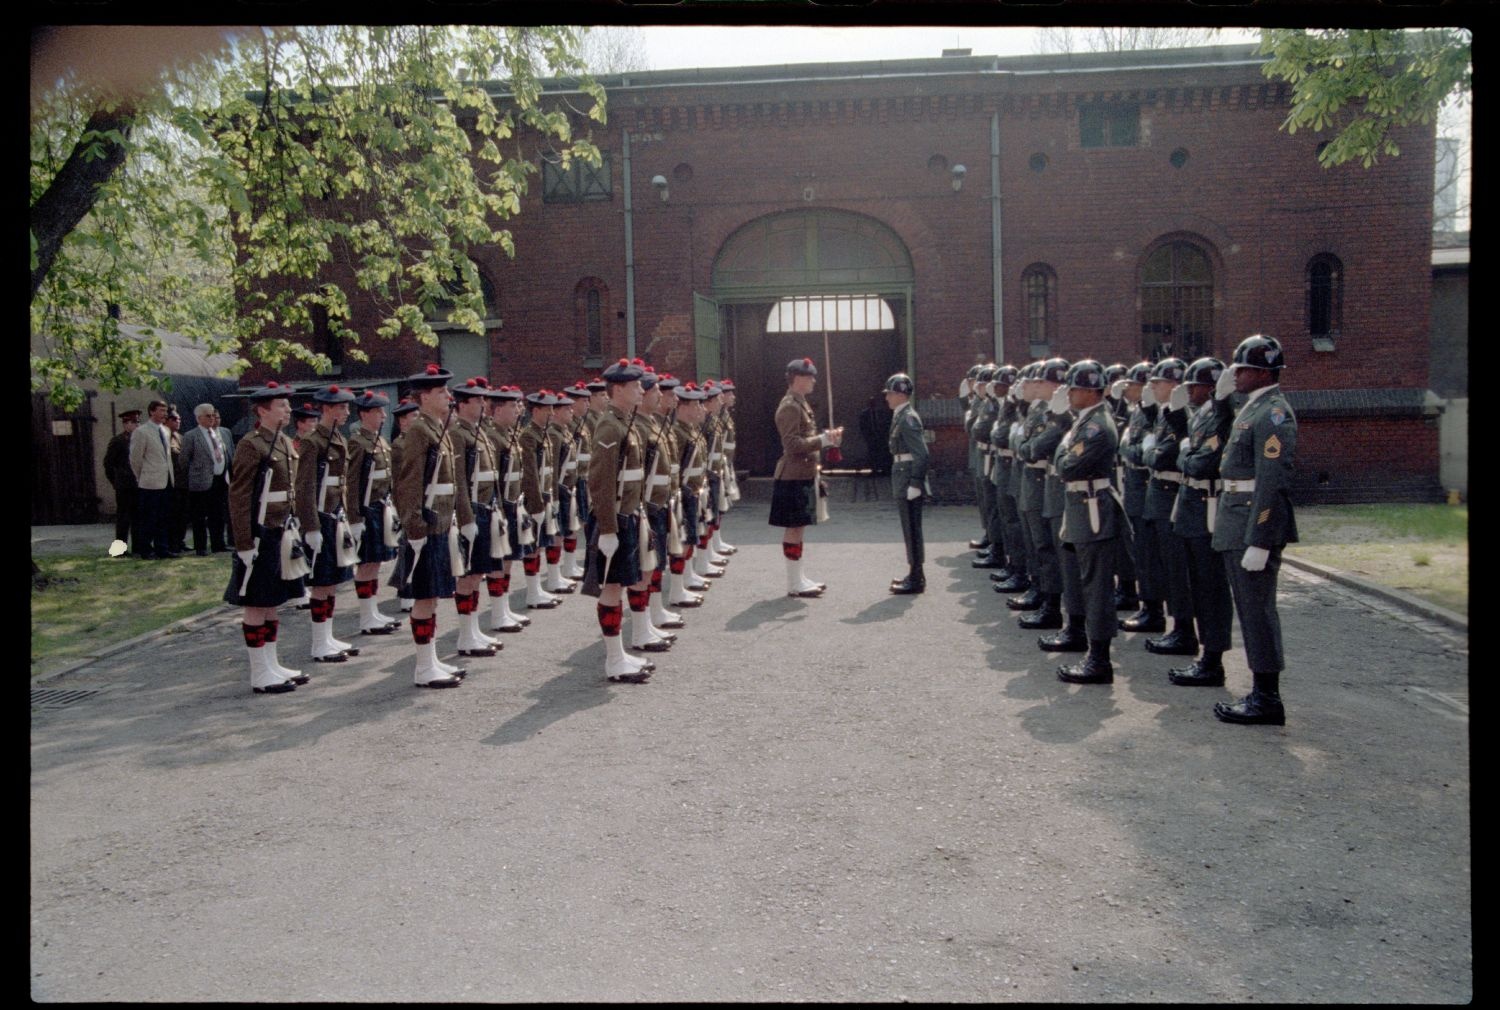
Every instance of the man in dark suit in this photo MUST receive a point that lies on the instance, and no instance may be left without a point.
(206, 452)
(122, 478)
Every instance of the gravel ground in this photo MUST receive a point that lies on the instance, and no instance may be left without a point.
(862, 797)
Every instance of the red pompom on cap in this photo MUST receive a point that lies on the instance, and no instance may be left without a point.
(273, 384)
(625, 362)
(807, 361)
(432, 369)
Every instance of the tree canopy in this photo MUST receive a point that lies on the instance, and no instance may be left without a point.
(214, 203)
(1364, 83)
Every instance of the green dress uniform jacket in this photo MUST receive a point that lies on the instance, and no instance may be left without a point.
(1032, 477)
(906, 440)
(1208, 432)
(800, 441)
(410, 489)
(616, 470)
(1262, 447)
(1088, 460)
(1133, 484)
(1166, 474)
(245, 482)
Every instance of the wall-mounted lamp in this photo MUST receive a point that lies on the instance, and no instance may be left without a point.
(958, 177)
(660, 182)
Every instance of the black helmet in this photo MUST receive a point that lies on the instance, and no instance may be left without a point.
(899, 383)
(1005, 375)
(1087, 374)
(1259, 351)
(1114, 373)
(1139, 372)
(1053, 370)
(1204, 371)
(986, 373)
(1168, 368)
(973, 372)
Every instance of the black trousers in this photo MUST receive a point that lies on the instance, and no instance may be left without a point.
(1168, 546)
(1096, 571)
(155, 508)
(1015, 539)
(1045, 572)
(127, 518)
(911, 529)
(1255, 606)
(1067, 568)
(1150, 571)
(985, 493)
(208, 509)
(1213, 605)
(1125, 557)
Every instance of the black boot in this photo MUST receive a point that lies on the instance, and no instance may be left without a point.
(1148, 618)
(1261, 707)
(1125, 598)
(1029, 600)
(1095, 668)
(1070, 639)
(1207, 671)
(1047, 617)
(1180, 641)
(915, 582)
(980, 545)
(1019, 582)
(989, 559)
(1002, 575)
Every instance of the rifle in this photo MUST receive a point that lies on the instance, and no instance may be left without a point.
(258, 528)
(434, 455)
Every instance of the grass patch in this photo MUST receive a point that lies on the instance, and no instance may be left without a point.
(91, 601)
(1419, 549)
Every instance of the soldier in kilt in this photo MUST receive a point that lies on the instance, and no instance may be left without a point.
(500, 426)
(797, 485)
(536, 488)
(475, 467)
(403, 413)
(367, 495)
(322, 458)
(687, 428)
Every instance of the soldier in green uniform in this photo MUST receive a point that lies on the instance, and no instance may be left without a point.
(1255, 519)
(367, 501)
(797, 479)
(985, 412)
(1116, 379)
(262, 503)
(645, 636)
(1022, 550)
(1161, 499)
(1094, 515)
(536, 488)
(1135, 475)
(908, 478)
(1071, 637)
(1005, 532)
(321, 468)
(662, 480)
(1039, 437)
(968, 392)
(1194, 518)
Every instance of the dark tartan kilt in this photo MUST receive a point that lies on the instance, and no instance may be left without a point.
(793, 503)
(513, 531)
(564, 512)
(540, 539)
(326, 570)
(372, 548)
(660, 520)
(267, 588)
(479, 558)
(432, 578)
(714, 483)
(582, 495)
(625, 566)
(689, 517)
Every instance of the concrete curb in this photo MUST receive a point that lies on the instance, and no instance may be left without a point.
(217, 610)
(1405, 601)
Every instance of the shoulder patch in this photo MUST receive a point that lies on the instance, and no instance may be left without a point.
(1090, 429)
(1273, 448)
(1078, 448)
(1212, 442)
(1277, 415)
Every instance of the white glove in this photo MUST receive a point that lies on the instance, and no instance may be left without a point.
(913, 493)
(1148, 398)
(608, 544)
(314, 541)
(826, 438)
(1016, 431)
(1117, 388)
(1059, 402)
(1182, 447)
(1225, 385)
(1255, 559)
(963, 387)
(1179, 397)
(1149, 442)
(469, 531)
(247, 557)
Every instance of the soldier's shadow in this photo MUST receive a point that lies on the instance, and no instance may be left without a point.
(580, 685)
(888, 609)
(782, 610)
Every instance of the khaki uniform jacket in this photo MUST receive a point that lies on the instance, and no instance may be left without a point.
(713, 434)
(1093, 446)
(370, 468)
(583, 432)
(616, 452)
(1262, 446)
(800, 442)
(330, 446)
(671, 452)
(564, 457)
(477, 456)
(426, 437)
(536, 478)
(691, 453)
(659, 477)
(246, 481)
(507, 444)
(729, 438)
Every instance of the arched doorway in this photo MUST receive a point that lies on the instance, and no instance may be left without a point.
(788, 285)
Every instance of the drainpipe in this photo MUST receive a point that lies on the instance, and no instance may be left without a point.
(996, 278)
(629, 256)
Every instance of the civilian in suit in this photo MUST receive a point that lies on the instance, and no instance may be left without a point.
(206, 452)
(151, 462)
(178, 539)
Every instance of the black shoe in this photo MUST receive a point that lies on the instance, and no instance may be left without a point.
(384, 629)
(299, 678)
(1070, 639)
(913, 583)
(1125, 601)
(1017, 583)
(544, 605)
(1178, 642)
(652, 647)
(1198, 675)
(1049, 616)
(630, 678)
(1145, 620)
(488, 650)
(202, 552)
(1029, 600)
(989, 559)
(1090, 671)
(281, 688)
(449, 681)
(1255, 709)
(980, 545)
(334, 657)
(509, 629)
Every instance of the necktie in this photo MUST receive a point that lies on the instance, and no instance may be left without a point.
(213, 438)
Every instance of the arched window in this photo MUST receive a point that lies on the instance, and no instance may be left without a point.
(1039, 284)
(1177, 302)
(814, 313)
(590, 319)
(1325, 296)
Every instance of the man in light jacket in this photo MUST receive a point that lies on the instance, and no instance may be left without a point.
(151, 462)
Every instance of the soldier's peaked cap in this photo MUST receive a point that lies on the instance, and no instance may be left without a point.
(130, 415)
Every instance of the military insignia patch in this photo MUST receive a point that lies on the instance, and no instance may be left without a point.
(1273, 448)
(1265, 517)
(1078, 448)
(1277, 415)
(1212, 442)
(1091, 429)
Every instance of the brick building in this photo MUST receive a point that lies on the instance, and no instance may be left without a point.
(926, 213)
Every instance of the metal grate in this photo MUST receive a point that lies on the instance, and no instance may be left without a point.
(56, 698)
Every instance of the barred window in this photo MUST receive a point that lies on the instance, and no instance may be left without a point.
(1325, 295)
(1039, 283)
(1177, 302)
(1109, 124)
(577, 182)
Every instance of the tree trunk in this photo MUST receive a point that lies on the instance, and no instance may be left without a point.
(75, 188)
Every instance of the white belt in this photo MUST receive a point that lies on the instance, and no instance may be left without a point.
(635, 474)
(571, 467)
(584, 457)
(1039, 466)
(438, 489)
(1097, 484)
(480, 476)
(659, 480)
(675, 468)
(546, 472)
(1170, 476)
(1136, 466)
(902, 457)
(378, 474)
(330, 482)
(982, 445)
(714, 457)
(1007, 453)
(728, 446)
(1201, 485)
(693, 471)
(1239, 486)
(512, 477)
(272, 497)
